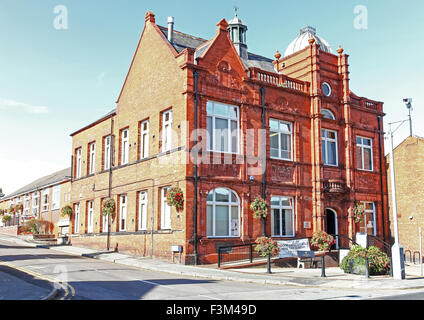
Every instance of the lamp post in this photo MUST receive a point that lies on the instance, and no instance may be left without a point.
(398, 263)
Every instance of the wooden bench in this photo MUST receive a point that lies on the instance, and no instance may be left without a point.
(306, 256)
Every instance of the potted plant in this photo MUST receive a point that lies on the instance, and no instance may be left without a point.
(67, 211)
(108, 207)
(259, 207)
(267, 247)
(175, 198)
(355, 261)
(358, 212)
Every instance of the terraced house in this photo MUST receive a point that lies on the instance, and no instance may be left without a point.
(288, 129)
(41, 199)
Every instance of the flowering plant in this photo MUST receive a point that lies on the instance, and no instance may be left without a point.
(378, 261)
(175, 198)
(322, 240)
(67, 211)
(108, 207)
(259, 208)
(358, 212)
(267, 246)
(1, 212)
(6, 218)
(12, 209)
(19, 207)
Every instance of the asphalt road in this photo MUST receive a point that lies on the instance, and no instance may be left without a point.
(88, 279)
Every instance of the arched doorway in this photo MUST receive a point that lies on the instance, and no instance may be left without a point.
(331, 224)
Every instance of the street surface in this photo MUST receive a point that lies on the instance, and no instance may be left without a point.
(86, 278)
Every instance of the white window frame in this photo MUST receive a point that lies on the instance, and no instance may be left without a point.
(213, 116)
(92, 159)
(27, 205)
(167, 131)
(144, 139)
(56, 197)
(123, 212)
(45, 206)
(362, 147)
(229, 204)
(35, 203)
(325, 140)
(328, 114)
(280, 132)
(90, 216)
(165, 211)
(107, 150)
(78, 163)
(125, 146)
(363, 224)
(76, 218)
(142, 210)
(282, 207)
(105, 222)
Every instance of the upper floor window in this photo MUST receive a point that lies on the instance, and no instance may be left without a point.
(35, 203)
(90, 216)
(223, 213)
(144, 139)
(167, 130)
(327, 114)
(223, 127)
(78, 159)
(92, 158)
(282, 217)
(27, 204)
(364, 153)
(125, 146)
(76, 218)
(107, 152)
(281, 139)
(326, 89)
(329, 147)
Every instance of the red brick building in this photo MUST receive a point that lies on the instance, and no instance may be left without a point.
(288, 129)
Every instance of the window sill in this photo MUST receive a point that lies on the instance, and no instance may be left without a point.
(222, 237)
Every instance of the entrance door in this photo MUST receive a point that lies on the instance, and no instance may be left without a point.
(331, 224)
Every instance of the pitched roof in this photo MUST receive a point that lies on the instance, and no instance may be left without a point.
(45, 181)
(106, 116)
(182, 41)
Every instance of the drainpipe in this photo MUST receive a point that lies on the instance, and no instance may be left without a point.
(264, 169)
(381, 173)
(112, 150)
(196, 256)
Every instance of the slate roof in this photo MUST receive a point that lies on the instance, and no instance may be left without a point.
(51, 179)
(182, 41)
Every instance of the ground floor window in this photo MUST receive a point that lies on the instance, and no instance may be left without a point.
(90, 216)
(77, 218)
(223, 213)
(282, 217)
(165, 214)
(368, 224)
(142, 211)
(123, 213)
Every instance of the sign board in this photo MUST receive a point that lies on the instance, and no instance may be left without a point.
(289, 248)
(176, 248)
(361, 239)
(63, 223)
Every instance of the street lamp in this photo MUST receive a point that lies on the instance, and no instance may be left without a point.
(398, 263)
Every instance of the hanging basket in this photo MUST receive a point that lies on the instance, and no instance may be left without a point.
(175, 198)
(108, 207)
(358, 212)
(259, 207)
(67, 211)
(322, 240)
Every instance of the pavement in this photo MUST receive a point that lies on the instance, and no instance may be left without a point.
(335, 277)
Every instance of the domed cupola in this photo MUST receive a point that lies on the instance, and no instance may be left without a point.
(237, 30)
(301, 41)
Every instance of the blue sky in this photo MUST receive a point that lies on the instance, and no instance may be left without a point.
(52, 82)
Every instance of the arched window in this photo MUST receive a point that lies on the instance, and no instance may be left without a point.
(223, 213)
(328, 114)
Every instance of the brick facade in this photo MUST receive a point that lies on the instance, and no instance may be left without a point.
(162, 78)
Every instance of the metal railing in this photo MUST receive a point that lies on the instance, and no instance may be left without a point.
(241, 253)
(377, 242)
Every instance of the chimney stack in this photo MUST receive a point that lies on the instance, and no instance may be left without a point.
(170, 29)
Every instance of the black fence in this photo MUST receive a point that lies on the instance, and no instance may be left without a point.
(241, 253)
(14, 221)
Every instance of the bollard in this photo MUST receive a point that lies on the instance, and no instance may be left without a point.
(367, 269)
(268, 264)
(323, 266)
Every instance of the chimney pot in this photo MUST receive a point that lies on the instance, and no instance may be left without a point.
(171, 29)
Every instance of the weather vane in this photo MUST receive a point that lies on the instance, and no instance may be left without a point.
(236, 9)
